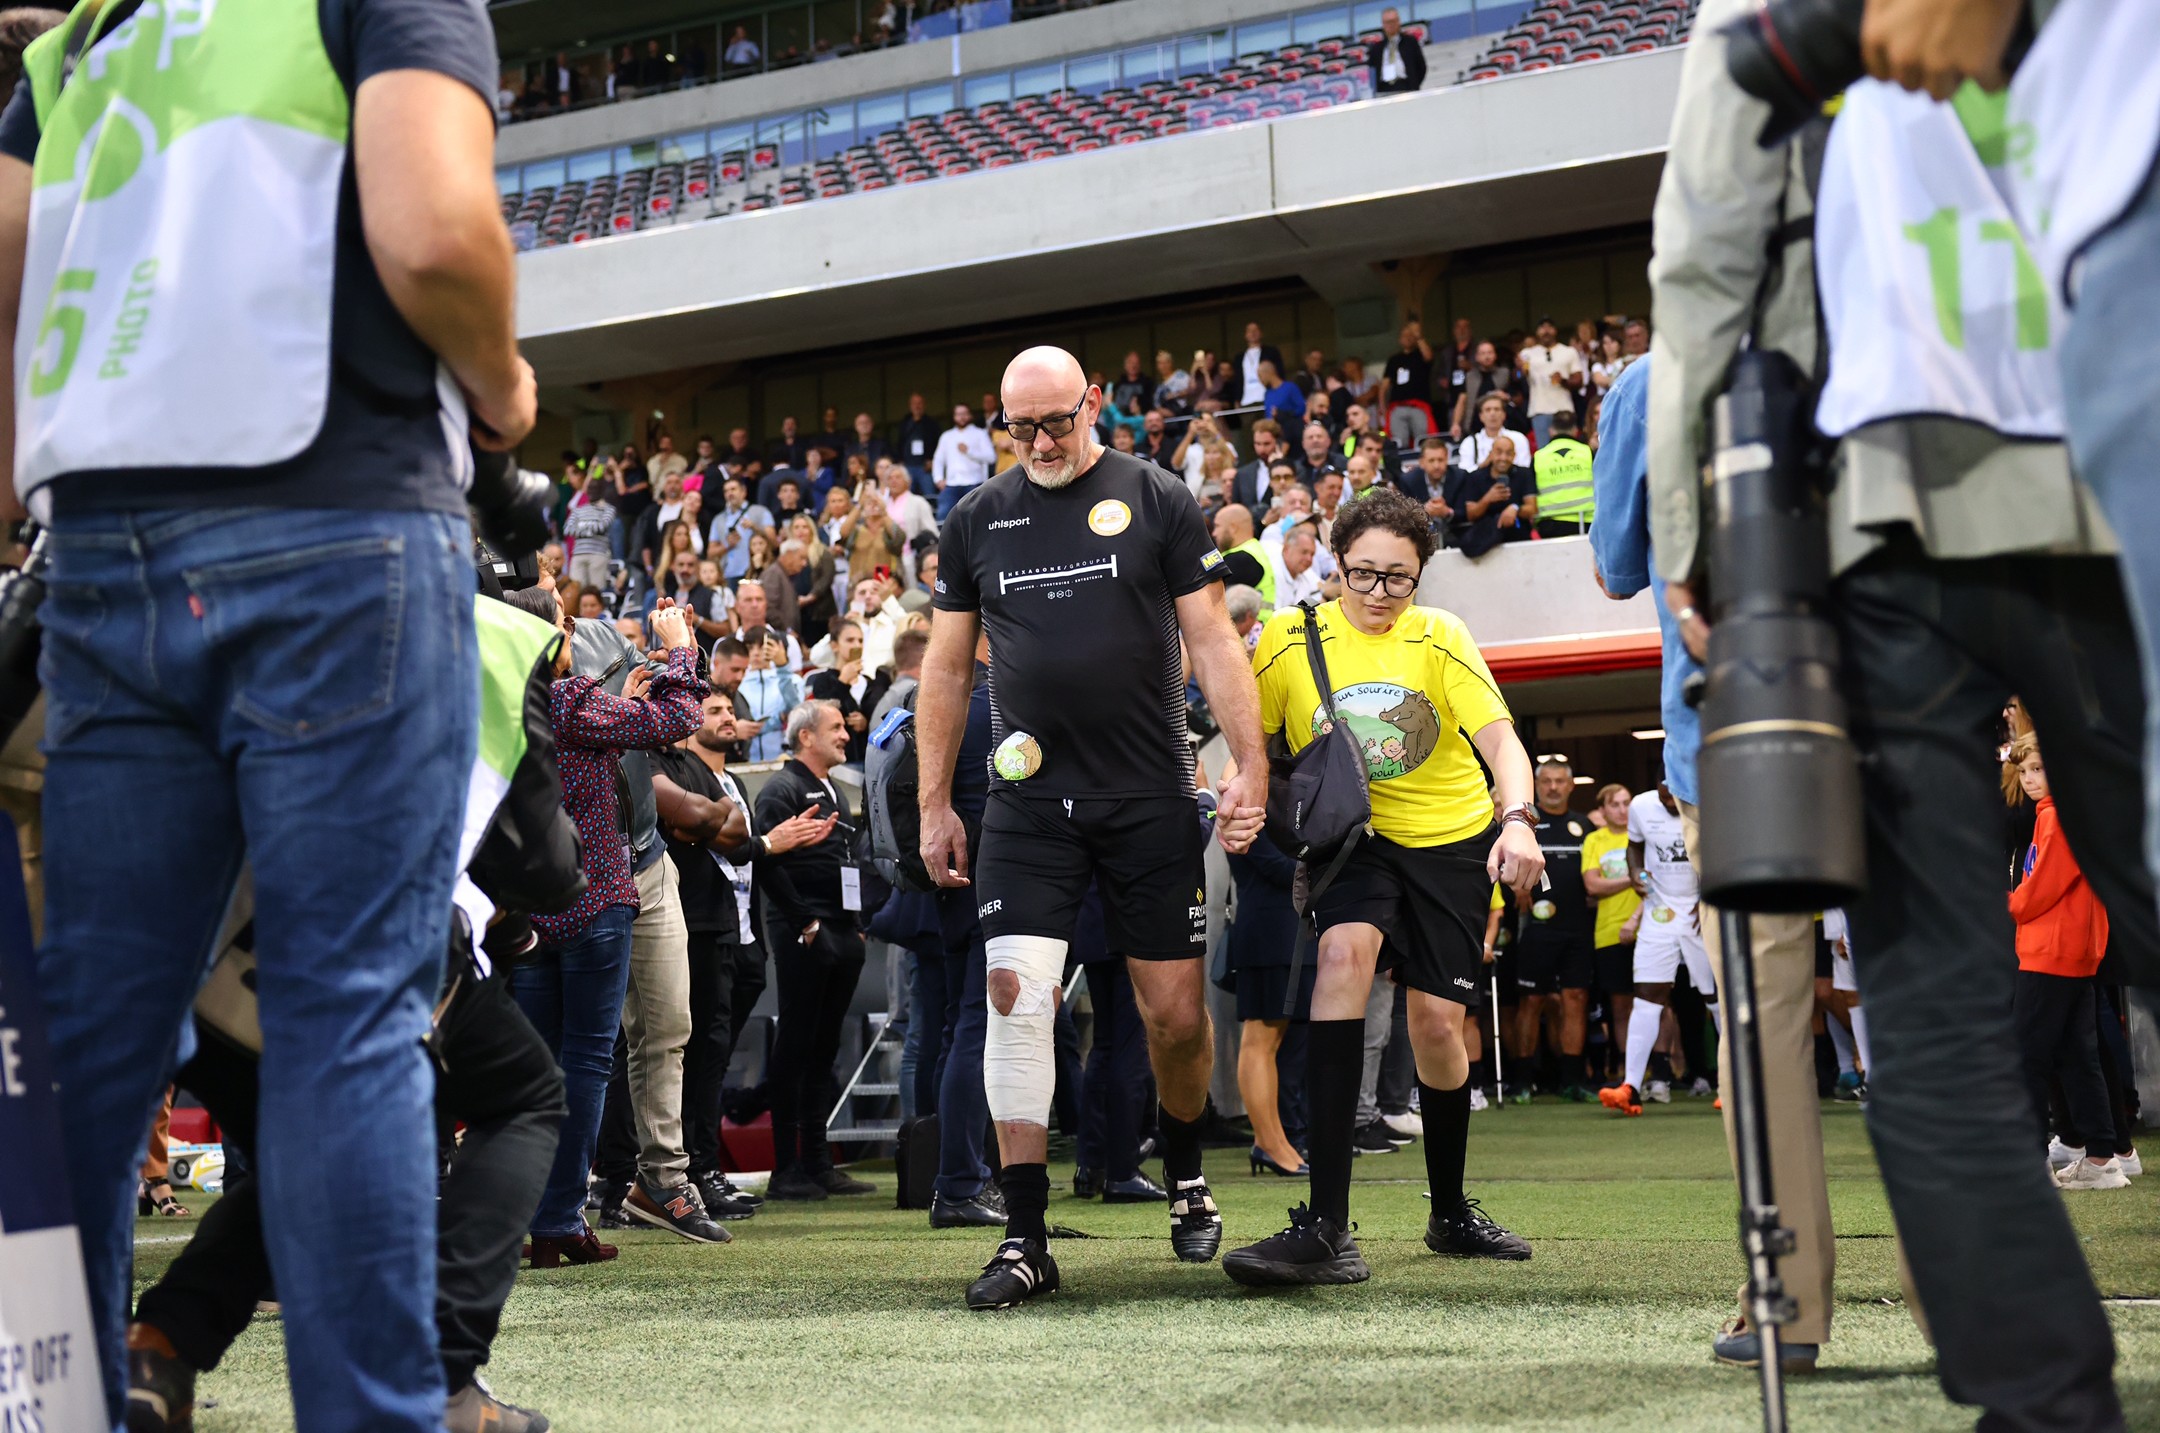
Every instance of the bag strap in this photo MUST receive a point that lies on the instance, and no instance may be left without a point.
(1317, 659)
(1313, 889)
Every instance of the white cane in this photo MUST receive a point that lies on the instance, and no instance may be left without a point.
(1492, 1038)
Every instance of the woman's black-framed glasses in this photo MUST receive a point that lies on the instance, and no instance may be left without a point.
(1367, 579)
(1023, 430)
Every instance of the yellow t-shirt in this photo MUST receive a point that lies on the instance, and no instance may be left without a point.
(1605, 851)
(1413, 698)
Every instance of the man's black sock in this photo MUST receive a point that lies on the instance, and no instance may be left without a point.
(1180, 1146)
(1661, 1066)
(1027, 1200)
(1447, 1141)
(1571, 1070)
(1334, 1066)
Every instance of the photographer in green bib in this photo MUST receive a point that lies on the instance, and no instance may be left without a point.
(260, 307)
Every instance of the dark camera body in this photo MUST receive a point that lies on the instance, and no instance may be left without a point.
(1778, 776)
(1795, 55)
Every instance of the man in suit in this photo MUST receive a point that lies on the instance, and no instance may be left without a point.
(1397, 60)
(1250, 485)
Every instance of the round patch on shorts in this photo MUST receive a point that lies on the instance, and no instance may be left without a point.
(1662, 915)
(1544, 910)
(1018, 757)
(1109, 517)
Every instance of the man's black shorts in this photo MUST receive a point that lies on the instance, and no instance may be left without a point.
(1146, 854)
(1548, 962)
(1430, 903)
(1616, 968)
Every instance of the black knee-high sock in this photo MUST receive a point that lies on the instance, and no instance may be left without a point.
(1027, 1200)
(1334, 1066)
(1180, 1146)
(1447, 1140)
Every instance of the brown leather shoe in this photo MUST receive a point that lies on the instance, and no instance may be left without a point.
(583, 1248)
(161, 1385)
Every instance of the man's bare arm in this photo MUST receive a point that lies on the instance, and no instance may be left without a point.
(1224, 670)
(424, 160)
(14, 240)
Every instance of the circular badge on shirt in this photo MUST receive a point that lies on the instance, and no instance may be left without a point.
(1613, 865)
(1543, 910)
(1574, 828)
(1018, 757)
(1109, 517)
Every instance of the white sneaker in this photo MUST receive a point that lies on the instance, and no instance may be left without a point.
(1657, 1092)
(1702, 1089)
(2087, 1175)
(1409, 1122)
(2131, 1164)
(2062, 1156)
(1478, 1100)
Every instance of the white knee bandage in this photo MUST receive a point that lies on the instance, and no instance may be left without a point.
(1019, 1055)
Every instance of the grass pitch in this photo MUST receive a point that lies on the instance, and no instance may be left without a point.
(847, 1314)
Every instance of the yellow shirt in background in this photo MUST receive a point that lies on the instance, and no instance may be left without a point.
(1605, 851)
(1413, 698)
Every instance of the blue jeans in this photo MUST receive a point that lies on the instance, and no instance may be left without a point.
(298, 690)
(2109, 406)
(963, 1104)
(573, 994)
(948, 497)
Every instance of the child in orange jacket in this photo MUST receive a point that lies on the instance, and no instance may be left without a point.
(2061, 935)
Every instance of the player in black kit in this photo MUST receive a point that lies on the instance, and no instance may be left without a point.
(1086, 568)
(1555, 951)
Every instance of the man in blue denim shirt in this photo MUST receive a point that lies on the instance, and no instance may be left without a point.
(1784, 945)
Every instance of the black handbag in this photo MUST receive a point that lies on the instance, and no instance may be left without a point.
(1319, 803)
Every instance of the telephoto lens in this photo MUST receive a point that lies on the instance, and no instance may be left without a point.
(1778, 776)
(1795, 56)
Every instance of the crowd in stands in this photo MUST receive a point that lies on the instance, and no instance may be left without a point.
(684, 61)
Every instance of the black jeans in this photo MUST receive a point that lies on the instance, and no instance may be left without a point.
(497, 1078)
(2058, 1036)
(817, 984)
(1932, 650)
(712, 1046)
(1113, 1091)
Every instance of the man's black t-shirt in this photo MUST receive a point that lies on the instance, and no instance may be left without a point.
(1077, 587)
(1564, 912)
(381, 444)
(707, 895)
(1409, 374)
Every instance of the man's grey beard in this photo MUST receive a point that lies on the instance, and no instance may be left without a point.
(1064, 478)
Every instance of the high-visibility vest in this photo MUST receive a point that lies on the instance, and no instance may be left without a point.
(1252, 548)
(1562, 467)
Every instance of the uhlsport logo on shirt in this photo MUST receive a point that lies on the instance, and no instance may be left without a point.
(1395, 727)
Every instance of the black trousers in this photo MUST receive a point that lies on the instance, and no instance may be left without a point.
(2058, 1036)
(816, 984)
(713, 967)
(1932, 650)
(1114, 1085)
(497, 1078)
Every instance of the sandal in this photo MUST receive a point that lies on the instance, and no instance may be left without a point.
(149, 1201)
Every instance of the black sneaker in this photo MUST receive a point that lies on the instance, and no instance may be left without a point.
(1195, 1223)
(161, 1384)
(723, 1201)
(1017, 1272)
(475, 1409)
(1372, 1139)
(612, 1215)
(1087, 1183)
(1469, 1233)
(676, 1210)
(1313, 1250)
(1137, 1190)
(840, 1182)
(963, 1213)
(794, 1184)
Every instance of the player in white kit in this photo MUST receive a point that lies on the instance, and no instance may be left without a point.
(1671, 932)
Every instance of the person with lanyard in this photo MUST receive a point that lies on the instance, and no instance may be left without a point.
(1561, 467)
(1414, 896)
(1554, 964)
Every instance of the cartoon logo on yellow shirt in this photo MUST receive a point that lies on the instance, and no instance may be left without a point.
(1394, 726)
(1109, 517)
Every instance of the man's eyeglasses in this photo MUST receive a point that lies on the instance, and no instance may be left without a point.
(1368, 579)
(1023, 430)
